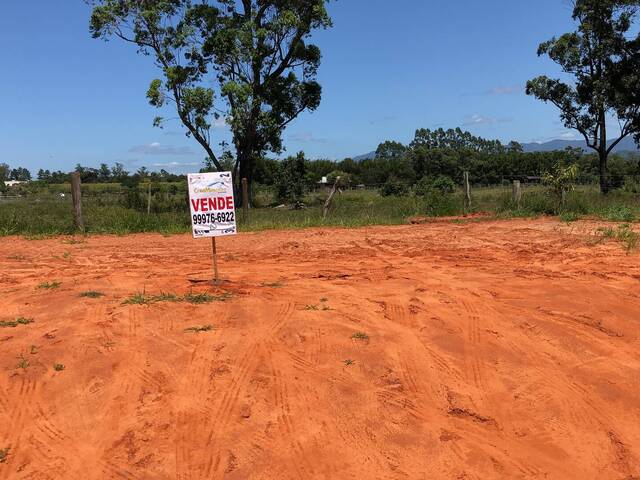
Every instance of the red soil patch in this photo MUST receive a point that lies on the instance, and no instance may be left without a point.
(494, 350)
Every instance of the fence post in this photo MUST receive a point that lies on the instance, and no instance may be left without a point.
(327, 203)
(149, 199)
(245, 199)
(517, 193)
(467, 194)
(76, 197)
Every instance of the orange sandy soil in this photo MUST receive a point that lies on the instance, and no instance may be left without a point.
(496, 350)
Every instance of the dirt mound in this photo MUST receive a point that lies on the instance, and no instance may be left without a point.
(472, 351)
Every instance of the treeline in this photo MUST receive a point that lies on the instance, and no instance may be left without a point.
(447, 153)
(106, 174)
(431, 154)
(20, 174)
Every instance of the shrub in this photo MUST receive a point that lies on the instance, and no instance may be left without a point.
(289, 179)
(440, 184)
(394, 188)
(618, 213)
(561, 180)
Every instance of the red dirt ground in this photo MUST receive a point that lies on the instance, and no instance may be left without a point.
(495, 350)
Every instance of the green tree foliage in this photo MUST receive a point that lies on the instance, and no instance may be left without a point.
(255, 52)
(289, 179)
(159, 28)
(561, 180)
(441, 184)
(20, 174)
(5, 170)
(603, 58)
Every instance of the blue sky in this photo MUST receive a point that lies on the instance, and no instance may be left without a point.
(388, 68)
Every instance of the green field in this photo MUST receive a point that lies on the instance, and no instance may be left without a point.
(111, 208)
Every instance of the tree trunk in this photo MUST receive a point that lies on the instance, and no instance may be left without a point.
(245, 171)
(604, 180)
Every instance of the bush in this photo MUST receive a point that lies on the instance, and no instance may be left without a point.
(290, 179)
(440, 184)
(394, 188)
(618, 213)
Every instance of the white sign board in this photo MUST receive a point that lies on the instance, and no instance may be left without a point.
(211, 201)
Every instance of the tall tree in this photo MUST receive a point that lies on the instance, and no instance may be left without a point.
(255, 54)
(266, 68)
(602, 56)
(159, 29)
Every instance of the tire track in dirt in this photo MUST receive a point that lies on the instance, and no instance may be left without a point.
(476, 367)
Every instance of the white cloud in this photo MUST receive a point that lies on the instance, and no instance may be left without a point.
(155, 148)
(508, 90)
(476, 120)
(306, 137)
(176, 164)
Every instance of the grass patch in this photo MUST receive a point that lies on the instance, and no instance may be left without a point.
(49, 285)
(92, 294)
(203, 328)
(198, 298)
(58, 367)
(16, 322)
(33, 350)
(360, 336)
(4, 453)
(623, 234)
(194, 298)
(348, 362)
(569, 217)
(272, 285)
(311, 307)
(138, 299)
(618, 213)
(22, 363)
(114, 209)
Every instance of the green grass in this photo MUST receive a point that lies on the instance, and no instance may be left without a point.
(360, 336)
(105, 210)
(49, 285)
(16, 322)
(4, 453)
(142, 298)
(623, 234)
(272, 284)
(92, 294)
(203, 328)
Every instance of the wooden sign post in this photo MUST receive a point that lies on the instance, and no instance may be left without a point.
(214, 252)
(212, 209)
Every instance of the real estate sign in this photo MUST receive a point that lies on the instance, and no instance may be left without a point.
(211, 202)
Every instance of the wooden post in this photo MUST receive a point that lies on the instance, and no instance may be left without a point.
(149, 200)
(327, 203)
(517, 193)
(245, 199)
(216, 278)
(467, 194)
(76, 196)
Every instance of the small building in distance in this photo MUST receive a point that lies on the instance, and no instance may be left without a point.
(11, 183)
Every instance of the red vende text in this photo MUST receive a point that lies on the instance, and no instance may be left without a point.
(212, 204)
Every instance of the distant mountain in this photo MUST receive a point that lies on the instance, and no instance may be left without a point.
(366, 156)
(626, 145)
